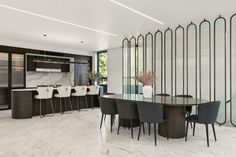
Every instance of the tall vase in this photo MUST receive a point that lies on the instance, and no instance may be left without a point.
(147, 91)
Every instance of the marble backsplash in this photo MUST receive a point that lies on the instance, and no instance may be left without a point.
(50, 78)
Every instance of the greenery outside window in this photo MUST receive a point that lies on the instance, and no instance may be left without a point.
(102, 67)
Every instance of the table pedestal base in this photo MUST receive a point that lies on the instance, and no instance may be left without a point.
(175, 123)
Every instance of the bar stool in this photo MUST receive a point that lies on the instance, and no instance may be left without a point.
(44, 93)
(93, 90)
(80, 91)
(63, 92)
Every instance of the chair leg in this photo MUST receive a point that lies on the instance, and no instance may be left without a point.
(139, 130)
(86, 101)
(213, 128)
(207, 135)
(71, 108)
(101, 121)
(77, 100)
(61, 106)
(131, 125)
(40, 108)
(186, 132)
(143, 129)
(118, 126)
(155, 134)
(35, 106)
(104, 117)
(149, 128)
(194, 125)
(92, 101)
(52, 107)
(111, 122)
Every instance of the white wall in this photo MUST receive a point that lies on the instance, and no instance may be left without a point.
(114, 70)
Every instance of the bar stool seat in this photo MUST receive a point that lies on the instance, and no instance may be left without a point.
(80, 91)
(44, 93)
(63, 93)
(93, 91)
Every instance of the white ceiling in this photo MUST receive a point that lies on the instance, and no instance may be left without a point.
(23, 29)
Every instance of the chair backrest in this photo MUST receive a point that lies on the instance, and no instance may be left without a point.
(93, 90)
(150, 112)
(80, 90)
(208, 112)
(127, 109)
(162, 94)
(108, 106)
(64, 91)
(184, 96)
(45, 92)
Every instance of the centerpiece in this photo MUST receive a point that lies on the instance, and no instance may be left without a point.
(146, 79)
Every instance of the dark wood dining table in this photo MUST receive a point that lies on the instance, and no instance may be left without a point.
(174, 111)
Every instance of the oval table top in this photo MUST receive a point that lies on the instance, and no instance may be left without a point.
(165, 100)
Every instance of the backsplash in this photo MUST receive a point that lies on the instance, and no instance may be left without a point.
(50, 78)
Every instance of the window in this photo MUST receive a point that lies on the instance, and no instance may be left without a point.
(102, 67)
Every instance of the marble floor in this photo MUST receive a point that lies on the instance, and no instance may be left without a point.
(78, 135)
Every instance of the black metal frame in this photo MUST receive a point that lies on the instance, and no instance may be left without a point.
(214, 60)
(155, 53)
(135, 60)
(171, 33)
(98, 71)
(187, 52)
(125, 40)
(176, 29)
(138, 38)
(231, 102)
(200, 77)
(145, 52)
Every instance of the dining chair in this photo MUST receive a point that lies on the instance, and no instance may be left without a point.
(188, 109)
(207, 114)
(127, 109)
(108, 107)
(44, 93)
(151, 113)
(162, 94)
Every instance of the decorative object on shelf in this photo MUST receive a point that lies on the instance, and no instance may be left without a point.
(93, 77)
(146, 79)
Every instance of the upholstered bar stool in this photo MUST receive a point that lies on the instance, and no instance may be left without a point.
(93, 91)
(44, 93)
(64, 92)
(80, 92)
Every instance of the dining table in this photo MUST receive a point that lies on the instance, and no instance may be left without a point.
(174, 108)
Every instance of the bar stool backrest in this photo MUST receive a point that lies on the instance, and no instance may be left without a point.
(44, 92)
(80, 90)
(64, 91)
(93, 90)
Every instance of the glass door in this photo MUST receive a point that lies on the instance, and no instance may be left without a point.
(17, 71)
(4, 83)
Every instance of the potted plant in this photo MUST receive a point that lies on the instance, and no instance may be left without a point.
(93, 77)
(146, 79)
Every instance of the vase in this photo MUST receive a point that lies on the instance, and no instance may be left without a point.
(147, 91)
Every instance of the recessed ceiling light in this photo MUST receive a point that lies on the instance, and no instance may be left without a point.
(57, 20)
(44, 35)
(137, 12)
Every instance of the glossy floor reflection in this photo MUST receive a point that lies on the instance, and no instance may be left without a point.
(78, 135)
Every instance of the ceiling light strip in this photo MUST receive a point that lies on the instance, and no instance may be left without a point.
(137, 12)
(57, 20)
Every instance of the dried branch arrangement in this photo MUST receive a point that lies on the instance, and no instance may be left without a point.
(146, 78)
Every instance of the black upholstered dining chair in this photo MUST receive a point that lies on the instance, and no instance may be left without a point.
(162, 94)
(108, 107)
(207, 114)
(151, 113)
(127, 110)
